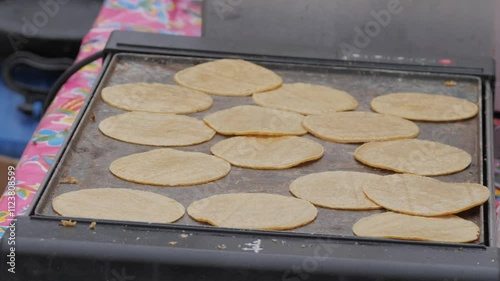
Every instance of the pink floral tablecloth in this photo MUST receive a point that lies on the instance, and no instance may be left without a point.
(182, 17)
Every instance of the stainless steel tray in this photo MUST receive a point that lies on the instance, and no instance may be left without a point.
(90, 153)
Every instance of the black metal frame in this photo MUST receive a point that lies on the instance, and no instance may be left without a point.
(149, 43)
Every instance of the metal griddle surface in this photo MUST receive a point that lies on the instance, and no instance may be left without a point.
(90, 152)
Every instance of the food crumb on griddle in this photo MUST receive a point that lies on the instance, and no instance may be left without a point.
(92, 117)
(221, 246)
(69, 180)
(68, 223)
(172, 243)
(184, 235)
(450, 83)
(92, 225)
(274, 240)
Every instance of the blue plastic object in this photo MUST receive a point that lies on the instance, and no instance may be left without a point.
(16, 128)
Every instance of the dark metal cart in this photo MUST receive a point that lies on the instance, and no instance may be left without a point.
(187, 250)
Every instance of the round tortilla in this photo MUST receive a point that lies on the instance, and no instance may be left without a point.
(255, 120)
(356, 127)
(170, 167)
(267, 153)
(425, 107)
(253, 211)
(154, 97)
(422, 196)
(156, 129)
(335, 190)
(306, 99)
(228, 77)
(118, 204)
(421, 157)
(450, 229)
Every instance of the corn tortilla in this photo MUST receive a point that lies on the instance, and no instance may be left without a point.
(267, 152)
(357, 127)
(155, 97)
(423, 196)
(170, 167)
(451, 229)
(255, 120)
(228, 77)
(306, 99)
(118, 204)
(425, 107)
(156, 129)
(421, 157)
(335, 190)
(253, 211)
